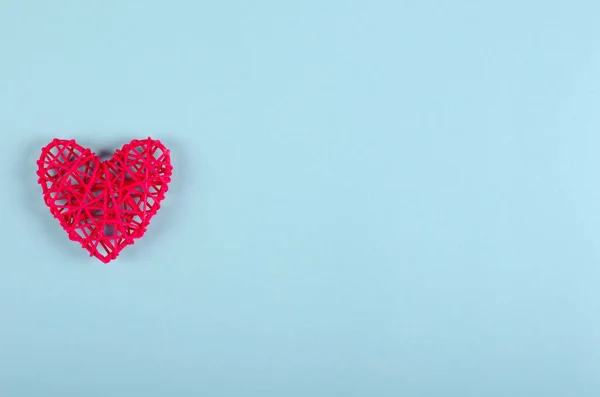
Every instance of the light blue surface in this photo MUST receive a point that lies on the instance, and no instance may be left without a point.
(370, 199)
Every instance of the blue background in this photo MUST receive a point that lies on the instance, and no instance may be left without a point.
(370, 198)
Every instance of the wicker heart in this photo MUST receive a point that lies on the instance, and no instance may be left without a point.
(104, 205)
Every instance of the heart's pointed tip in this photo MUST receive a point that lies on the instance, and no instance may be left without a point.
(104, 259)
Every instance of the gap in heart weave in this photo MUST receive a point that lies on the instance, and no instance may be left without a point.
(104, 205)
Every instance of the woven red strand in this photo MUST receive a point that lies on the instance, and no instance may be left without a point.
(104, 205)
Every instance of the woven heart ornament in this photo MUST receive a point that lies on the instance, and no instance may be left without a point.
(104, 205)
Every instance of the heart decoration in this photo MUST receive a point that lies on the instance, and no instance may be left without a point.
(104, 205)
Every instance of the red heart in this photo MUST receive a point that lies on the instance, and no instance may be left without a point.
(104, 205)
